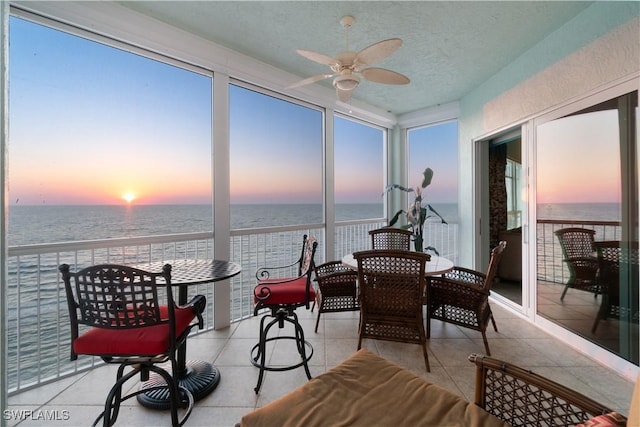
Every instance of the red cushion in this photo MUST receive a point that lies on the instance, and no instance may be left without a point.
(293, 292)
(611, 419)
(143, 341)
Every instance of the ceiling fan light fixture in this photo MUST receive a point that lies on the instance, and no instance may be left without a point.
(348, 82)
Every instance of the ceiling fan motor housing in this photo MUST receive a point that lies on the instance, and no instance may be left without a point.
(346, 82)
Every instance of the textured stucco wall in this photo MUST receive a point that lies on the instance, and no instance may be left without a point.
(599, 46)
(613, 56)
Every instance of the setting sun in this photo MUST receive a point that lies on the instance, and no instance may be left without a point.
(129, 196)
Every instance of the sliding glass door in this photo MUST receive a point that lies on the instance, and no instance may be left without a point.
(587, 222)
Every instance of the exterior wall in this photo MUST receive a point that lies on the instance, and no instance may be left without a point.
(597, 47)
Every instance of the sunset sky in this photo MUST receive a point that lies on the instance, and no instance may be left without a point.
(579, 159)
(91, 124)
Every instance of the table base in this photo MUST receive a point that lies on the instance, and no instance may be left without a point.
(201, 379)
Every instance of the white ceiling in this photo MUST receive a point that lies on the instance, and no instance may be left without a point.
(449, 47)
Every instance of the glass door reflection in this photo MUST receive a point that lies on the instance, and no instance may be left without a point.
(586, 178)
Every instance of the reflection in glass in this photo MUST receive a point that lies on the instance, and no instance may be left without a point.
(586, 180)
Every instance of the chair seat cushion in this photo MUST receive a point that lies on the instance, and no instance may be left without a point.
(279, 293)
(367, 390)
(143, 341)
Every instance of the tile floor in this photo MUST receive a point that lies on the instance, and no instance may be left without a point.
(79, 399)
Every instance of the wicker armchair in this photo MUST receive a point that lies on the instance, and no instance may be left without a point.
(523, 398)
(461, 297)
(579, 253)
(337, 289)
(618, 278)
(391, 238)
(392, 284)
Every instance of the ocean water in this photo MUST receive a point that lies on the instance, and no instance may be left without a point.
(580, 211)
(53, 224)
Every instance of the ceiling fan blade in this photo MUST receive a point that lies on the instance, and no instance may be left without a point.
(377, 52)
(320, 58)
(344, 95)
(310, 80)
(381, 75)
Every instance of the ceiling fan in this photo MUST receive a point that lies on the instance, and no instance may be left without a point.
(348, 66)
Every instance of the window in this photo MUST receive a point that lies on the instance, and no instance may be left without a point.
(359, 169)
(103, 137)
(436, 147)
(513, 177)
(276, 160)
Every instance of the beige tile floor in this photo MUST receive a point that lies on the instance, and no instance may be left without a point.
(79, 399)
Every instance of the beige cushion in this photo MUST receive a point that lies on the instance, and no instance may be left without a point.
(367, 390)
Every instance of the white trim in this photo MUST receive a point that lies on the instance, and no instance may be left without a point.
(4, 195)
(221, 197)
(117, 22)
(328, 182)
(438, 113)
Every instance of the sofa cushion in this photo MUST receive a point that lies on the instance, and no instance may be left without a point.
(367, 390)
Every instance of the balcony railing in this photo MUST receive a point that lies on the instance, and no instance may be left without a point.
(550, 267)
(38, 327)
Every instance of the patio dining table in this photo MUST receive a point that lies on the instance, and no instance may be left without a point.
(436, 265)
(197, 376)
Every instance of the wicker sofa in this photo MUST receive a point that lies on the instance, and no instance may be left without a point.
(367, 390)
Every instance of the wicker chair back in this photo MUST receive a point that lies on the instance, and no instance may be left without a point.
(578, 251)
(391, 238)
(337, 288)
(618, 280)
(392, 284)
(525, 399)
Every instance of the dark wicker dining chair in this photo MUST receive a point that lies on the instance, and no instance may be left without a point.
(129, 326)
(618, 278)
(392, 284)
(337, 289)
(525, 399)
(461, 297)
(281, 295)
(579, 252)
(391, 238)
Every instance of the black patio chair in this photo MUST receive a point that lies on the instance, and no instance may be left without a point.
(129, 326)
(281, 295)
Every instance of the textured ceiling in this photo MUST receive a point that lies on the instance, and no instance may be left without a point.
(449, 47)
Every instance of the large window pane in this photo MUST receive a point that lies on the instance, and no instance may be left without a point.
(276, 161)
(436, 147)
(359, 170)
(586, 180)
(103, 143)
